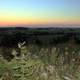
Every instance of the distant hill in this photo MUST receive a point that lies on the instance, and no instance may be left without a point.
(42, 36)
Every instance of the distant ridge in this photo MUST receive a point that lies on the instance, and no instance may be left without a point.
(10, 36)
(45, 28)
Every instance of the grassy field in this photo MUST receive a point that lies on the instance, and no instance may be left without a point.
(39, 54)
(60, 62)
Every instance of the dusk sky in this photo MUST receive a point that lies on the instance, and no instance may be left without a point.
(39, 12)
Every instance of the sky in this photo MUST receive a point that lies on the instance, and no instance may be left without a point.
(39, 12)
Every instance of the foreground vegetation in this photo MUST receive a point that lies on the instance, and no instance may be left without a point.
(60, 62)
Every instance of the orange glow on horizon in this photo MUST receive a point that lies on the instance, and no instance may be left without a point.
(33, 21)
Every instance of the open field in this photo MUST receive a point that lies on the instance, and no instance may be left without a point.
(39, 54)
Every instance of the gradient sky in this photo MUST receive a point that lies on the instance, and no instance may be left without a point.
(39, 12)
